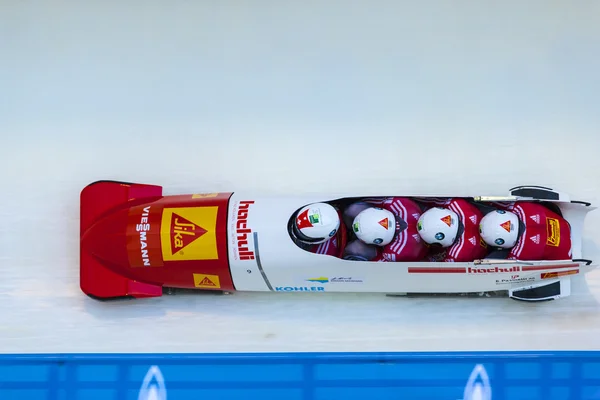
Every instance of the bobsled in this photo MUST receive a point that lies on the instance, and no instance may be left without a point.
(136, 242)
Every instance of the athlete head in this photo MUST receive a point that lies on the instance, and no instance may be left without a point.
(438, 226)
(500, 229)
(316, 223)
(375, 226)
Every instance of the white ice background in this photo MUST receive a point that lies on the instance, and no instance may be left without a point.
(278, 97)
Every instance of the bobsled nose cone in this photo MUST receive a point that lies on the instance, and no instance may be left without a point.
(106, 239)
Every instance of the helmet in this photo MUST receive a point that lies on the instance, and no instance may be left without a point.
(375, 226)
(438, 226)
(500, 229)
(316, 223)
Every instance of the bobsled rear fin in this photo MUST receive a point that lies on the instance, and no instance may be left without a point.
(543, 291)
(575, 214)
(98, 199)
(540, 193)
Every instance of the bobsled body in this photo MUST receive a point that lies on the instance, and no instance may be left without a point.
(135, 242)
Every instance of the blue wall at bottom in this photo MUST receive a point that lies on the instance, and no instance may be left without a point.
(302, 376)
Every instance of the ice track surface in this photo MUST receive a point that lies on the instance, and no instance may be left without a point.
(279, 97)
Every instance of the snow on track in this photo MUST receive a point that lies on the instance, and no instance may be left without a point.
(279, 98)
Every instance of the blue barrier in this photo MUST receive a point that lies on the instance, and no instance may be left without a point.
(303, 376)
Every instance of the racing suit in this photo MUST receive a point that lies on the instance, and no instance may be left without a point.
(406, 245)
(329, 248)
(546, 235)
(469, 245)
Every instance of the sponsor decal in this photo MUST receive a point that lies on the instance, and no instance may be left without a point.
(416, 215)
(416, 237)
(447, 220)
(493, 270)
(535, 239)
(143, 241)
(323, 279)
(553, 232)
(439, 236)
(550, 275)
(153, 387)
(206, 281)
(473, 219)
(345, 280)
(204, 195)
(515, 279)
(189, 233)
(183, 232)
(314, 218)
(535, 218)
(473, 240)
(506, 225)
(385, 223)
(478, 386)
(299, 289)
(143, 228)
(243, 234)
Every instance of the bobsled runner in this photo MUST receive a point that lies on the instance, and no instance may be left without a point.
(136, 242)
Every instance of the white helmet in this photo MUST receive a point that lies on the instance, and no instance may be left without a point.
(316, 223)
(438, 226)
(375, 226)
(500, 229)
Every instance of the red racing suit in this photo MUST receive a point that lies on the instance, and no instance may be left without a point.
(329, 248)
(469, 245)
(407, 245)
(547, 235)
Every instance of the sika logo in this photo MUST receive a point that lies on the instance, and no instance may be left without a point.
(189, 233)
(153, 386)
(478, 386)
(242, 231)
(206, 281)
(493, 270)
(183, 232)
